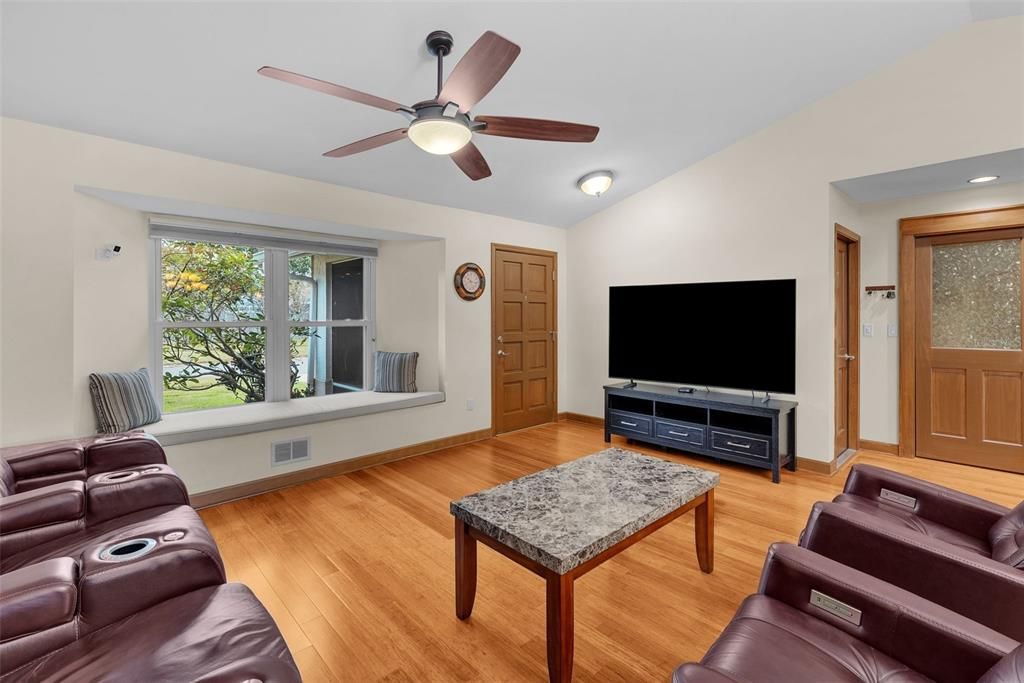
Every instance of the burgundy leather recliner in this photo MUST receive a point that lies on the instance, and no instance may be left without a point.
(814, 619)
(958, 551)
(106, 572)
(62, 498)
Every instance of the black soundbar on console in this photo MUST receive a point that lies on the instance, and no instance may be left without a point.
(732, 427)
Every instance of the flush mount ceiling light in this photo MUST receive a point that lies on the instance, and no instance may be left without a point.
(983, 179)
(595, 184)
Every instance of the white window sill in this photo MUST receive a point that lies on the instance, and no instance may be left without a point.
(202, 425)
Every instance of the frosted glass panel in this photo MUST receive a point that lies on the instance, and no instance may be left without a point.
(976, 295)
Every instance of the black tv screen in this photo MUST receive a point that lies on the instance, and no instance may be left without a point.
(739, 335)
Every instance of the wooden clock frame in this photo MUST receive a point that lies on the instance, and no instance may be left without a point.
(460, 290)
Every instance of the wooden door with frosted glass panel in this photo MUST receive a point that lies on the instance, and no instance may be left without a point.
(969, 357)
(524, 317)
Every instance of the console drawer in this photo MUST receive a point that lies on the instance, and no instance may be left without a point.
(683, 433)
(630, 422)
(736, 444)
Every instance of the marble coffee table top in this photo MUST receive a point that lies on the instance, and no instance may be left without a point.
(565, 515)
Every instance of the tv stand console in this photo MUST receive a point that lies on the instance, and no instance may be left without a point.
(731, 427)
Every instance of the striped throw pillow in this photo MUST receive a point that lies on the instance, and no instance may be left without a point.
(123, 400)
(395, 372)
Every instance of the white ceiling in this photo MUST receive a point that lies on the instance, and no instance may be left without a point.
(668, 83)
(944, 177)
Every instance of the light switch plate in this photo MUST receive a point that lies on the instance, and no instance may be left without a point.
(891, 330)
(869, 330)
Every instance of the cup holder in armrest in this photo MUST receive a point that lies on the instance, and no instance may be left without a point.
(127, 550)
(118, 477)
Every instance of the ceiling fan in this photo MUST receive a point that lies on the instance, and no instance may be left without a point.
(442, 125)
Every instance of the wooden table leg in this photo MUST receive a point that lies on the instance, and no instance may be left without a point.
(704, 532)
(560, 627)
(465, 570)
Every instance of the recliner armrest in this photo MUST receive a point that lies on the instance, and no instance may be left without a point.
(63, 502)
(113, 494)
(980, 588)
(38, 597)
(948, 507)
(120, 451)
(930, 639)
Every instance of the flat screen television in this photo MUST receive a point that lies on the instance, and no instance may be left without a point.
(738, 335)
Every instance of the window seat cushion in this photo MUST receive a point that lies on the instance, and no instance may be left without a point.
(217, 423)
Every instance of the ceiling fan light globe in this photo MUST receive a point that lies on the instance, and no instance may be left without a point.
(439, 136)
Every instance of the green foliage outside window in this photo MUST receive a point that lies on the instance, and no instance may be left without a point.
(213, 282)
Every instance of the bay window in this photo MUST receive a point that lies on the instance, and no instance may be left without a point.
(244, 318)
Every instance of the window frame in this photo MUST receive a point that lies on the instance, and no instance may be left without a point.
(276, 324)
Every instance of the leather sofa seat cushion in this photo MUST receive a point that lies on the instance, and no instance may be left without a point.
(1007, 538)
(1009, 669)
(157, 520)
(214, 634)
(771, 642)
(907, 518)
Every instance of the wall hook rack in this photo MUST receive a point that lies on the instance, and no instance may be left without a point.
(889, 291)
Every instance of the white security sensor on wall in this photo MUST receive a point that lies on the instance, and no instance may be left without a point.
(108, 252)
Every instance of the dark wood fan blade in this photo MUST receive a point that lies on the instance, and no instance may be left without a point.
(367, 143)
(478, 71)
(472, 162)
(330, 88)
(536, 129)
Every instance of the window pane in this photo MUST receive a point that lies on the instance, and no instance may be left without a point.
(216, 282)
(324, 287)
(326, 360)
(213, 367)
(976, 290)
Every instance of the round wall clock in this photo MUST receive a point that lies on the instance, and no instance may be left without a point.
(469, 281)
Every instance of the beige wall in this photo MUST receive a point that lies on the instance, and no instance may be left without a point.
(762, 207)
(878, 225)
(65, 314)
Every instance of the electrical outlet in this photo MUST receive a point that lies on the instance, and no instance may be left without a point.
(891, 330)
(869, 330)
(470, 404)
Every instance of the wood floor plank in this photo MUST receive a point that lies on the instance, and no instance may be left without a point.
(358, 569)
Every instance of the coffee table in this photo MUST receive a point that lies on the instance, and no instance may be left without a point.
(564, 521)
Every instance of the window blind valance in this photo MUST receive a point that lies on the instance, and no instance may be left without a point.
(264, 237)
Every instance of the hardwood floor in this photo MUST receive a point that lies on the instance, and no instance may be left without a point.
(358, 569)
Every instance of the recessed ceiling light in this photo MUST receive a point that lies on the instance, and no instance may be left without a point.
(983, 179)
(595, 184)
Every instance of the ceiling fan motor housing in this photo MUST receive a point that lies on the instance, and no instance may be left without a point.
(440, 43)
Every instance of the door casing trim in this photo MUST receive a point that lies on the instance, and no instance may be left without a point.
(495, 248)
(852, 240)
(909, 230)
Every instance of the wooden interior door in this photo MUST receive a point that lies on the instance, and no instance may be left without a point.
(524, 301)
(969, 360)
(842, 339)
(847, 328)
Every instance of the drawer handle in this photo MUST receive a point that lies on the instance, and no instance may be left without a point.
(627, 424)
(737, 445)
(678, 433)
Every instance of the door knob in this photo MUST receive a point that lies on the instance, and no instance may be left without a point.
(502, 354)
(847, 356)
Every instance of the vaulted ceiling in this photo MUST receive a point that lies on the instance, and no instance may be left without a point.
(668, 83)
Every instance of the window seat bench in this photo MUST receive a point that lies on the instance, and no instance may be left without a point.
(217, 423)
